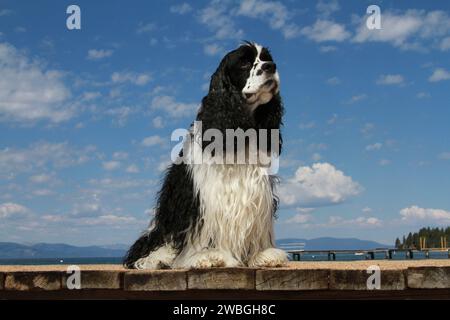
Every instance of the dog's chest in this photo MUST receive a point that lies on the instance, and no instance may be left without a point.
(236, 203)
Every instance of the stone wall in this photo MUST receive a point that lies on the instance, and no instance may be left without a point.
(408, 279)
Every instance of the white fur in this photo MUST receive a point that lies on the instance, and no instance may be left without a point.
(255, 82)
(236, 221)
(271, 257)
(161, 258)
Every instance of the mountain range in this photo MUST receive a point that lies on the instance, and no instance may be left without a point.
(10, 250)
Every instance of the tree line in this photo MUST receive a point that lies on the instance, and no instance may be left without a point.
(432, 236)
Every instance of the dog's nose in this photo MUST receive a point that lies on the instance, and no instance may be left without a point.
(269, 67)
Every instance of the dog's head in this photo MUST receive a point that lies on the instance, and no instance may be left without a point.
(251, 72)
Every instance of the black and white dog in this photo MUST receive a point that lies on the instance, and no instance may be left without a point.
(221, 215)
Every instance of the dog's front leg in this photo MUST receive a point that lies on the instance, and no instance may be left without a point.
(208, 258)
(271, 257)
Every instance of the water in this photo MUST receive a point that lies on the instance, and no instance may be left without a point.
(400, 255)
(61, 261)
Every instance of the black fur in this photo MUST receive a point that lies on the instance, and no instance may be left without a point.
(223, 108)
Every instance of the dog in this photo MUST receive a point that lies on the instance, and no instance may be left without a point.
(221, 215)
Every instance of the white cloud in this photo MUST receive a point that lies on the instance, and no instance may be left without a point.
(29, 92)
(40, 178)
(367, 129)
(91, 95)
(327, 8)
(120, 155)
(94, 54)
(422, 95)
(366, 210)
(111, 165)
(374, 147)
(439, 74)
(108, 220)
(158, 122)
(121, 114)
(299, 218)
(356, 98)
(153, 141)
(415, 213)
(384, 162)
(369, 222)
(307, 125)
(12, 210)
(325, 49)
(41, 154)
(319, 185)
(216, 16)
(325, 30)
(391, 79)
(42, 192)
(333, 119)
(132, 169)
(444, 156)
(333, 81)
(413, 29)
(145, 28)
(274, 12)
(5, 12)
(316, 156)
(109, 183)
(173, 108)
(212, 49)
(364, 222)
(445, 44)
(139, 79)
(182, 8)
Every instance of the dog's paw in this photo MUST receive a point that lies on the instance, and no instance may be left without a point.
(213, 259)
(161, 258)
(271, 258)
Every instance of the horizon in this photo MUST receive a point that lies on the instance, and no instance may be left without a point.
(125, 244)
(364, 154)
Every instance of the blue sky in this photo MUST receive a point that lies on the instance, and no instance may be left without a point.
(86, 115)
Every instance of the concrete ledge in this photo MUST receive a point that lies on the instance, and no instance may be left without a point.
(2, 281)
(357, 280)
(90, 279)
(28, 281)
(292, 279)
(157, 280)
(221, 278)
(428, 278)
(297, 280)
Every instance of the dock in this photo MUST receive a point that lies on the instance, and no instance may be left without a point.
(369, 254)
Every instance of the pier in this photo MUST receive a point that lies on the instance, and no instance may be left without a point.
(370, 254)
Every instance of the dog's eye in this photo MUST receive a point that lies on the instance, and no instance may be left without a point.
(246, 65)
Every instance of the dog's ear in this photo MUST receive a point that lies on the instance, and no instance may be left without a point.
(220, 80)
(269, 116)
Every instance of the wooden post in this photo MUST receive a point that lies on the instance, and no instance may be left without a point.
(331, 256)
